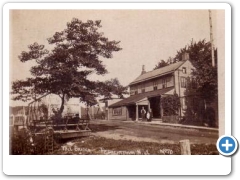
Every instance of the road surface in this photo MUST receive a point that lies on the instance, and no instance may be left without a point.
(128, 130)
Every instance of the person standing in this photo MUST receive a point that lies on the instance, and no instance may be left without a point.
(143, 113)
(149, 115)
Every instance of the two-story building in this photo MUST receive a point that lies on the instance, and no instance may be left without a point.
(147, 89)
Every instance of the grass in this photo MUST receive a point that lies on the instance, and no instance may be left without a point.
(93, 145)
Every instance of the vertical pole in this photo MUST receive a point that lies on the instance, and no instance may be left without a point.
(211, 37)
(179, 94)
(148, 105)
(185, 147)
(24, 117)
(136, 112)
(80, 110)
(92, 108)
(161, 109)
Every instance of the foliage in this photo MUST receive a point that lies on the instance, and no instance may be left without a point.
(110, 87)
(65, 69)
(202, 88)
(195, 106)
(95, 145)
(44, 109)
(197, 112)
(161, 64)
(205, 74)
(21, 142)
(170, 105)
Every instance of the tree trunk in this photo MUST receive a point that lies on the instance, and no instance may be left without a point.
(62, 107)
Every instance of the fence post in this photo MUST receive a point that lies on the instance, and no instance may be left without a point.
(185, 147)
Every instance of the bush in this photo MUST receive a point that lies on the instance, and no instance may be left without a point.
(24, 142)
(21, 142)
(170, 105)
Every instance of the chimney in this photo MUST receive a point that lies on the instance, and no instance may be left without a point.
(143, 69)
(185, 56)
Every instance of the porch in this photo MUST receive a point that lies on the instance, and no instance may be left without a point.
(145, 101)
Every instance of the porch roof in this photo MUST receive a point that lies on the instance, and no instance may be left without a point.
(135, 98)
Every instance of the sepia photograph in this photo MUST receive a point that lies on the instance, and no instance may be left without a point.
(115, 81)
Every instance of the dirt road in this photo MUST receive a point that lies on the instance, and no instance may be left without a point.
(120, 130)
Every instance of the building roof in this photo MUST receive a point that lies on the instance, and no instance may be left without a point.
(158, 72)
(135, 98)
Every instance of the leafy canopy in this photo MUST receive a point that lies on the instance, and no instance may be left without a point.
(205, 75)
(64, 70)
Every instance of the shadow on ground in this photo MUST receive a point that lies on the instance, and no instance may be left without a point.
(102, 127)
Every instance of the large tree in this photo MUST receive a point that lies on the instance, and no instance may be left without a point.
(205, 74)
(202, 88)
(76, 53)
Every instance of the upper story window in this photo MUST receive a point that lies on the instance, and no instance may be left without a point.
(136, 92)
(164, 82)
(132, 92)
(155, 85)
(183, 82)
(184, 70)
(142, 87)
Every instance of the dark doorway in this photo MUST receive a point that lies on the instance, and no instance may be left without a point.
(139, 111)
(132, 112)
(155, 106)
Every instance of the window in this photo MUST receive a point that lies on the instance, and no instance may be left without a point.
(136, 89)
(117, 111)
(184, 70)
(164, 82)
(183, 82)
(132, 92)
(142, 88)
(155, 85)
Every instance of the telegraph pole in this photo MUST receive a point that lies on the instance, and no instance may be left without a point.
(211, 38)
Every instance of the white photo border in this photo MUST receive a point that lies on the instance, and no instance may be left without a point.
(127, 164)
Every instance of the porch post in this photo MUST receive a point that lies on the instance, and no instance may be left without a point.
(161, 109)
(149, 105)
(136, 112)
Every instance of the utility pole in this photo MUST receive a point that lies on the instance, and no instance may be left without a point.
(211, 38)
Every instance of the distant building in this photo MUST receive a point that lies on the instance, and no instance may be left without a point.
(108, 103)
(147, 90)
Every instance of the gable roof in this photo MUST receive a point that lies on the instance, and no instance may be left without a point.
(157, 72)
(135, 98)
